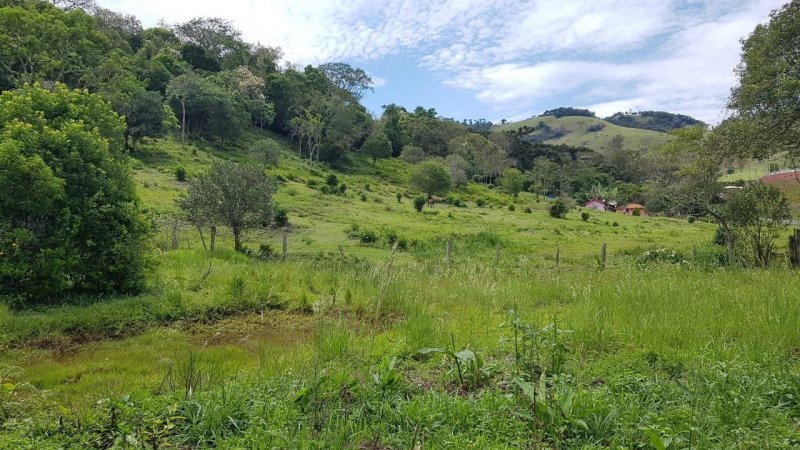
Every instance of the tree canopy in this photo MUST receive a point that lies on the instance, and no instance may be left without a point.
(769, 79)
(69, 217)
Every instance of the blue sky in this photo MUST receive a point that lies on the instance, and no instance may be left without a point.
(507, 59)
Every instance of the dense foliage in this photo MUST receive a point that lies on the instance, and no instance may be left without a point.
(230, 194)
(769, 79)
(568, 111)
(652, 120)
(69, 213)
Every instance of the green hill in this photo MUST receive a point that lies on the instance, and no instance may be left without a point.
(576, 132)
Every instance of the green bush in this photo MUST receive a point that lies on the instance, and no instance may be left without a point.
(332, 180)
(560, 207)
(280, 216)
(511, 207)
(585, 216)
(481, 202)
(528, 210)
(419, 202)
(691, 219)
(70, 221)
(180, 174)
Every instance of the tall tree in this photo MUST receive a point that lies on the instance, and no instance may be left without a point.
(351, 79)
(769, 80)
(377, 146)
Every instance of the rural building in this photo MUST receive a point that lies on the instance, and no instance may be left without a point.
(629, 209)
(600, 205)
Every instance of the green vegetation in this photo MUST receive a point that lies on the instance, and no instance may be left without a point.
(70, 221)
(334, 314)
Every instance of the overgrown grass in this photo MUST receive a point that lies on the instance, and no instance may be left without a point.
(323, 350)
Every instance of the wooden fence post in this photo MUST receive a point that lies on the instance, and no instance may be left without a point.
(175, 236)
(558, 256)
(285, 245)
(794, 249)
(449, 249)
(603, 257)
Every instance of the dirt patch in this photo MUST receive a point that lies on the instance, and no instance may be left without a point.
(276, 327)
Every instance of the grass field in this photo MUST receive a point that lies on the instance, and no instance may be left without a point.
(577, 134)
(347, 344)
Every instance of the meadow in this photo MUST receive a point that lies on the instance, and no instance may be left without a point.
(368, 336)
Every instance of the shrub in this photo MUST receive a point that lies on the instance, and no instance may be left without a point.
(585, 216)
(325, 189)
(419, 202)
(332, 180)
(636, 213)
(691, 219)
(180, 174)
(481, 202)
(511, 207)
(528, 210)
(363, 197)
(280, 216)
(368, 237)
(342, 188)
(265, 251)
(560, 207)
(69, 216)
(431, 177)
(614, 224)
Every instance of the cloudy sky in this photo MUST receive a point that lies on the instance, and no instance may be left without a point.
(509, 59)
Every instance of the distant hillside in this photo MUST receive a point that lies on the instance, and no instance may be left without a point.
(582, 131)
(652, 120)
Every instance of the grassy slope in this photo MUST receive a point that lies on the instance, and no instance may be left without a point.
(636, 330)
(635, 139)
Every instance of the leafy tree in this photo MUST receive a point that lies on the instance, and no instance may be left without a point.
(458, 167)
(351, 79)
(431, 177)
(377, 146)
(512, 181)
(147, 116)
(236, 195)
(758, 215)
(41, 42)
(412, 154)
(393, 128)
(560, 207)
(688, 169)
(207, 107)
(70, 221)
(218, 39)
(568, 111)
(769, 79)
(486, 159)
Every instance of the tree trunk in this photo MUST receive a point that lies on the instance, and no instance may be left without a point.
(237, 239)
(202, 238)
(213, 237)
(183, 122)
